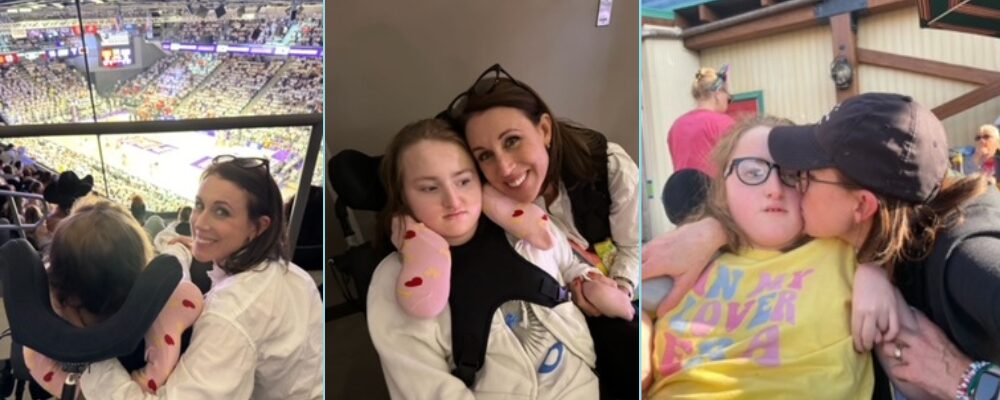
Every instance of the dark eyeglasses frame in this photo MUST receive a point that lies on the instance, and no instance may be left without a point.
(243, 162)
(770, 167)
(481, 87)
(805, 177)
(981, 137)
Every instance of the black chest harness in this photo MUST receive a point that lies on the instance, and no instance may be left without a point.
(487, 272)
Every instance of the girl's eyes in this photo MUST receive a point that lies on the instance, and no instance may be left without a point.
(464, 181)
(222, 212)
(427, 189)
(511, 141)
(484, 156)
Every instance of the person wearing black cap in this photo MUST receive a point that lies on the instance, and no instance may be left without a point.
(875, 174)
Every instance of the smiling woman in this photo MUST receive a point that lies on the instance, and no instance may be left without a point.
(259, 335)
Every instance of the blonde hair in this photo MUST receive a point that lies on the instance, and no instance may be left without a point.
(706, 82)
(991, 130)
(717, 204)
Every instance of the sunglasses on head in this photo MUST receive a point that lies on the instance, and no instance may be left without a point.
(243, 162)
(483, 85)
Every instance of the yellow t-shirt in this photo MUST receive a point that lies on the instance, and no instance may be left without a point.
(764, 325)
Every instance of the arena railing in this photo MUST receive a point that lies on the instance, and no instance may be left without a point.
(315, 121)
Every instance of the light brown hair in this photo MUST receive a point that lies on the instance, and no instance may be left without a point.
(96, 255)
(902, 231)
(717, 203)
(391, 169)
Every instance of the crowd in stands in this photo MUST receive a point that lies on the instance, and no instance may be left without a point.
(230, 88)
(156, 92)
(42, 91)
(299, 89)
(122, 185)
(266, 30)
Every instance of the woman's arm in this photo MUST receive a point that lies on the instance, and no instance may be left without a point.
(219, 364)
(623, 185)
(682, 254)
(972, 276)
(413, 352)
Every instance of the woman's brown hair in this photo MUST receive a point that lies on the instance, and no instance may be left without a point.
(717, 204)
(569, 150)
(391, 169)
(96, 255)
(902, 231)
(263, 200)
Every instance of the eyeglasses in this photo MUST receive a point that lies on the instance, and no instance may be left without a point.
(983, 137)
(243, 162)
(804, 177)
(753, 171)
(482, 86)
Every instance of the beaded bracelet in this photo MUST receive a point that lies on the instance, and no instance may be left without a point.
(963, 388)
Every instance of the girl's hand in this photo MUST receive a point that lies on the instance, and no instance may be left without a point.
(576, 287)
(874, 317)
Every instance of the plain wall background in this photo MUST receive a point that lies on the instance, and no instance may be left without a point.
(391, 64)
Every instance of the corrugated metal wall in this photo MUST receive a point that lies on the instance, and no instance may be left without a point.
(668, 70)
(899, 32)
(792, 70)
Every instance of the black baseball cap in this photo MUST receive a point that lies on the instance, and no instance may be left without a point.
(887, 143)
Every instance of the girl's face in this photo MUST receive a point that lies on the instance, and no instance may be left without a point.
(511, 150)
(220, 220)
(442, 189)
(769, 212)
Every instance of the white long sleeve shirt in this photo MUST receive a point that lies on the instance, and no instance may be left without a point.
(533, 352)
(623, 185)
(260, 336)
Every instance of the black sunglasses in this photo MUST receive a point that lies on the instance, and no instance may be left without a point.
(483, 86)
(243, 162)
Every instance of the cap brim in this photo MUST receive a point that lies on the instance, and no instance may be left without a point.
(796, 148)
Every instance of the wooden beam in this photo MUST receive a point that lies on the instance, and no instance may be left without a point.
(706, 14)
(845, 45)
(968, 100)
(681, 21)
(659, 21)
(785, 22)
(921, 66)
(879, 6)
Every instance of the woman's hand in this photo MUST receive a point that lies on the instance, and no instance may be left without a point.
(873, 308)
(682, 254)
(576, 287)
(187, 241)
(927, 360)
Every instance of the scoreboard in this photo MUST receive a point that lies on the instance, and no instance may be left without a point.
(116, 49)
(114, 57)
(9, 58)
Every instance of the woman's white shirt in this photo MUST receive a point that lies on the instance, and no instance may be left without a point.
(260, 336)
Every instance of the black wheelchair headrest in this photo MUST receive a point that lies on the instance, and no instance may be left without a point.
(34, 323)
(683, 193)
(355, 177)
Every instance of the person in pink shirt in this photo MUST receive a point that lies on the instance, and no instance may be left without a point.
(693, 136)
